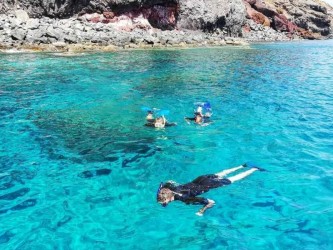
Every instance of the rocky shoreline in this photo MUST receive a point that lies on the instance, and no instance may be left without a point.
(21, 33)
(166, 23)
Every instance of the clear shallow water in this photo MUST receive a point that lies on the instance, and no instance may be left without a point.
(63, 116)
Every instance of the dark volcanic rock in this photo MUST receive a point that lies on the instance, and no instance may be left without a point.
(304, 18)
(210, 15)
(165, 14)
(146, 23)
(93, 173)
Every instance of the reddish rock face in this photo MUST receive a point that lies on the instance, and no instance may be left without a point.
(113, 20)
(251, 2)
(108, 14)
(262, 14)
(314, 14)
(257, 16)
(246, 28)
(306, 34)
(262, 19)
(106, 20)
(161, 17)
(95, 20)
(281, 23)
(259, 6)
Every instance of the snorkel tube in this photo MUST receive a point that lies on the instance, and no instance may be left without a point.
(204, 107)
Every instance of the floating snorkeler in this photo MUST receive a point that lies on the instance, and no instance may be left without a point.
(202, 114)
(187, 193)
(160, 121)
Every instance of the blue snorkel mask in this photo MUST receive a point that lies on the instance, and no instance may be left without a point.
(204, 108)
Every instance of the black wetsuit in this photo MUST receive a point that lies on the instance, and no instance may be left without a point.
(200, 185)
(205, 119)
(167, 124)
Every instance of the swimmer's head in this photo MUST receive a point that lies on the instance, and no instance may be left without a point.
(198, 117)
(150, 114)
(164, 196)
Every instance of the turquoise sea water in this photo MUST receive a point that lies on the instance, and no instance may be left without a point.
(62, 118)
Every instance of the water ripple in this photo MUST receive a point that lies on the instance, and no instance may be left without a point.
(80, 171)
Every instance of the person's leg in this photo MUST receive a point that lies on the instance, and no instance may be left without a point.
(228, 171)
(242, 175)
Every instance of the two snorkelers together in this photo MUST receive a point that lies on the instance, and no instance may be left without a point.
(202, 115)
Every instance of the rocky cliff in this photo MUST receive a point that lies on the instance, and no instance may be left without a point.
(124, 22)
(187, 14)
(310, 19)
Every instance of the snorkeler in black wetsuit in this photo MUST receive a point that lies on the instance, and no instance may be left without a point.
(188, 193)
(199, 117)
(159, 122)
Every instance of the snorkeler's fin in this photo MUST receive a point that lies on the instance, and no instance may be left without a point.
(260, 169)
(249, 165)
(252, 165)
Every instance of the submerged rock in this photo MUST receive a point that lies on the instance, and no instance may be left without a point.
(25, 204)
(15, 194)
(93, 173)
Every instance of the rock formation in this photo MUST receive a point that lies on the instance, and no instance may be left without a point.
(190, 14)
(160, 22)
(309, 19)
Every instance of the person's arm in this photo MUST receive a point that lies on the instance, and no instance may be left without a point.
(203, 209)
(189, 119)
(197, 201)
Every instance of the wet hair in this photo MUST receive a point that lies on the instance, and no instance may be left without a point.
(163, 195)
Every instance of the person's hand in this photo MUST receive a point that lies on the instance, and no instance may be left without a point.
(209, 205)
(199, 213)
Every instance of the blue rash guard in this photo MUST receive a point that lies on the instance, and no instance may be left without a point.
(188, 192)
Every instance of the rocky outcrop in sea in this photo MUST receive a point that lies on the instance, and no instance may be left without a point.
(112, 24)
